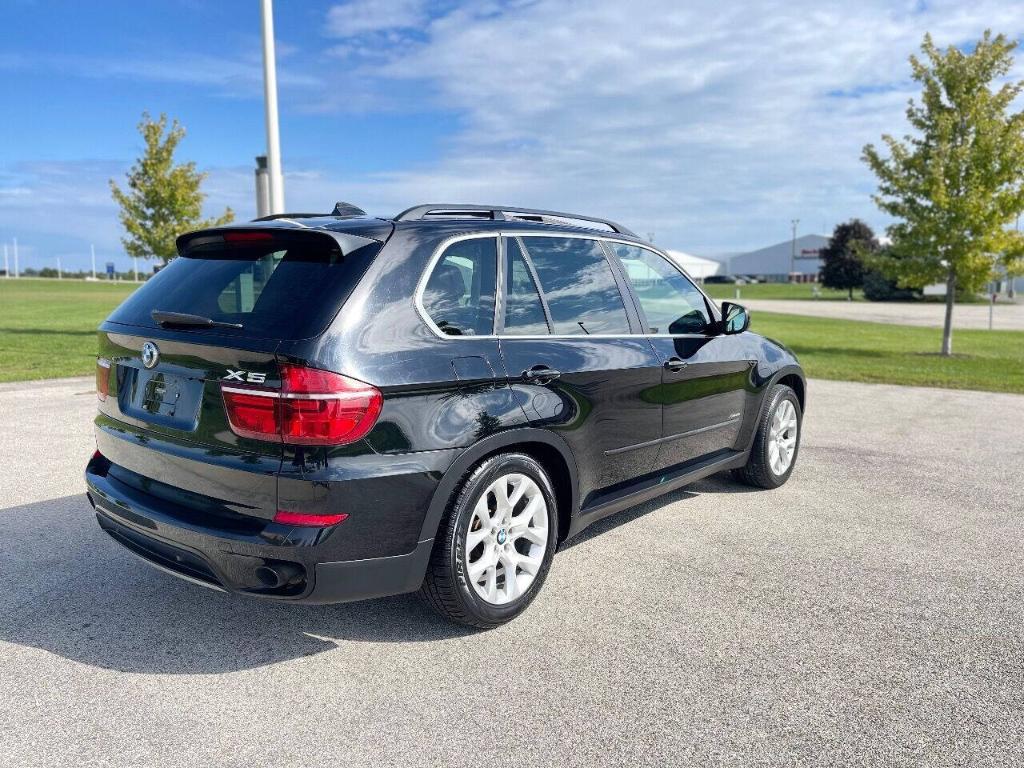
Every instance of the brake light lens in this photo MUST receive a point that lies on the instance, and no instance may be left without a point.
(102, 378)
(303, 518)
(313, 407)
(248, 237)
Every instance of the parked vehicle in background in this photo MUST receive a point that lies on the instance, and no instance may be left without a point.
(722, 279)
(321, 408)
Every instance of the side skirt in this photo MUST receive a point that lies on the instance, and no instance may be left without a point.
(652, 487)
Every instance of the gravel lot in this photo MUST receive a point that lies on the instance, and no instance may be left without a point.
(868, 613)
(1007, 317)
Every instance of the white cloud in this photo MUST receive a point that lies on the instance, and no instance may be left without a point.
(711, 124)
(361, 16)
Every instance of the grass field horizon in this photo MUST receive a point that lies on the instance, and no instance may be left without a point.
(48, 330)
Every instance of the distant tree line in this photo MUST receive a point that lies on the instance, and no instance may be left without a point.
(851, 260)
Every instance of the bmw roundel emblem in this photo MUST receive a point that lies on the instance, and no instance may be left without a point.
(150, 354)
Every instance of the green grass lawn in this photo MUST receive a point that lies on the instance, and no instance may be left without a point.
(48, 327)
(48, 330)
(899, 354)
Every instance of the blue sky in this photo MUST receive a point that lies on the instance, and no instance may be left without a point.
(709, 124)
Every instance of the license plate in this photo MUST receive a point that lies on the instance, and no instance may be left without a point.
(162, 394)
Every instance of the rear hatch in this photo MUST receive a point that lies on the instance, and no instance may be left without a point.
(214, 317)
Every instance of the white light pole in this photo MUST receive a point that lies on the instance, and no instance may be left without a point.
(135, 267)
(270, 103)
(16, 273)
(7, 264)
(92, 250)
(60, 272)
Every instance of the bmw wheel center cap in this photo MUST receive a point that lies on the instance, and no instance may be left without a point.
(502, 536)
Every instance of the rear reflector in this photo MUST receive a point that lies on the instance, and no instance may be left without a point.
(313, 407)
(301, 518)
(102, 378)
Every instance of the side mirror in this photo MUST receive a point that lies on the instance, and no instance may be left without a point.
(735, 319)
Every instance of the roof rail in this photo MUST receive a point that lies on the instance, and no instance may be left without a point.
(497, 213)
(345, 210)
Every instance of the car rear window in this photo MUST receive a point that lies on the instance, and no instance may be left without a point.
(288, 286)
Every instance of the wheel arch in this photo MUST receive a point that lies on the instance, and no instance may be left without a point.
(794, 380)
(790, 375)
(547, 448)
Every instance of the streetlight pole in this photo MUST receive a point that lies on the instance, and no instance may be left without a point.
(92, 250)
(792, 255)
(17, 273)
(270, 103)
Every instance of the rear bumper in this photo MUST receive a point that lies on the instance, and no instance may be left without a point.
(245, 557)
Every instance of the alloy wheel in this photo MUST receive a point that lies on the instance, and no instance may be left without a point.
(507, 538)
(782, 437)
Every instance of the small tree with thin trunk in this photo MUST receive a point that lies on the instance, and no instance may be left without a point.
(956, 185)
(163, 200)
(843, 257)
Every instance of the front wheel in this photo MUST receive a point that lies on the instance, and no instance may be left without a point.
(495, 546)
(777, 441)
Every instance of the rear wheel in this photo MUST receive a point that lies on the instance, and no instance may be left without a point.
(495, 545)
(777, 441)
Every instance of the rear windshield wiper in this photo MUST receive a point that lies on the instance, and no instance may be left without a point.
(184, 320)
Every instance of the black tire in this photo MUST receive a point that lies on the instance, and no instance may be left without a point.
(758, 470)
(446, 587)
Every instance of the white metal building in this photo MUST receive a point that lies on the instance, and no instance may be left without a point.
(696, 267)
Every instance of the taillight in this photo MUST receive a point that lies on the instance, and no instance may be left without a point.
(102, 378)
(304, 518)
(312, 407)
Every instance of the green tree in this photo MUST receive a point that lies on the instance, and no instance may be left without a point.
(162, 200)
(957, 183)
(843, 258)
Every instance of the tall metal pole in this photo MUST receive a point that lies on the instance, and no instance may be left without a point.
(792, 256)
(92, 250)
(60, 272)
(7, 264)
(270, 103)
(16, 272)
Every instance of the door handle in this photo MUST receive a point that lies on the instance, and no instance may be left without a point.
(540, 374)
(675, 364)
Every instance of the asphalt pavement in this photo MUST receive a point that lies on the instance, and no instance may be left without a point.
(867, 613)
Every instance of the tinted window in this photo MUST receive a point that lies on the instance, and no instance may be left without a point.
(288, 287)
(671, 303)
(578, 284)
(524, 314)
(459, 296)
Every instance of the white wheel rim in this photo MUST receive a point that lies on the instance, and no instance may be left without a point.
(506, 539)
(782, 437)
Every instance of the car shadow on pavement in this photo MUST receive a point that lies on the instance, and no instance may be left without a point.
(70, 590)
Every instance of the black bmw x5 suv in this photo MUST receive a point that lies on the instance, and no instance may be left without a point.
(322, 408)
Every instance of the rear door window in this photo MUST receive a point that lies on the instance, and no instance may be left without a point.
(578, 285)
(459, 294)
(276, 286)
